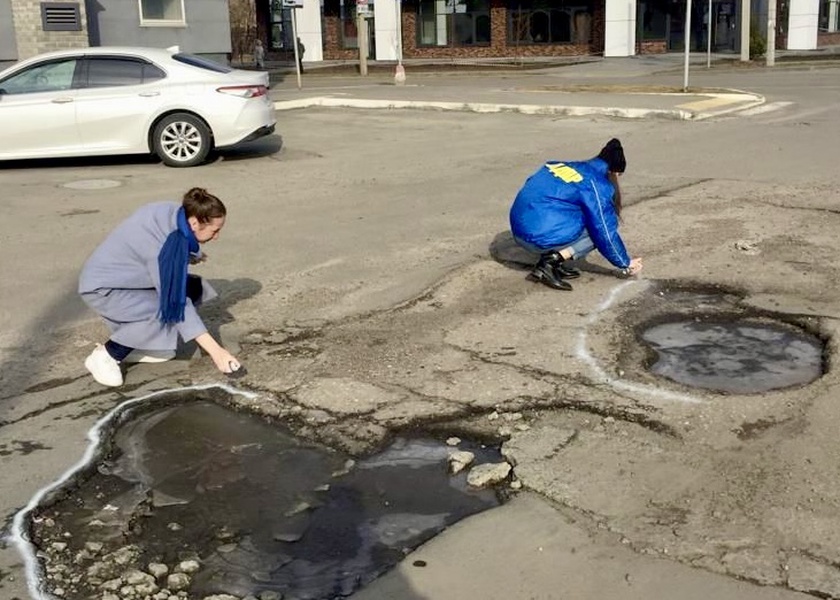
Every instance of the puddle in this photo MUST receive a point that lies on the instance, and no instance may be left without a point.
(739, 357)
(261, 510)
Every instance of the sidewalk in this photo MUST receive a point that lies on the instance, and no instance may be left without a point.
(590, 87)
(636, 87)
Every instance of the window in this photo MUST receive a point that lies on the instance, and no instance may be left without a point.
(111, 72)
(60, 16)
(654, 16)
(349, 30)
(162, 12)
(201, 63)
(44, 77)
(829, 18)
(549, 22)
(453, 22)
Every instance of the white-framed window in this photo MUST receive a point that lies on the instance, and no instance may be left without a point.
(162, 13)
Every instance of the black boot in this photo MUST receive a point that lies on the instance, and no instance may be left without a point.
(546, 271)
(564, 270)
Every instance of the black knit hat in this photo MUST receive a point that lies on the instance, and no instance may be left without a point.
(613, 155)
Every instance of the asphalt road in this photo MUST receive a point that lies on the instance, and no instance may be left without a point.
(350, 223)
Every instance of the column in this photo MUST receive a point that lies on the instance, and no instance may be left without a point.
(620, 28)
(832, 15)
(309, 30)
(803, 24)
(385, 14)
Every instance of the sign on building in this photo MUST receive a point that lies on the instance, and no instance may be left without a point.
(362, 8)
(292, 3)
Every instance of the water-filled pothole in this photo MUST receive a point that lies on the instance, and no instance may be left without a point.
(259, 510)
(741, 356)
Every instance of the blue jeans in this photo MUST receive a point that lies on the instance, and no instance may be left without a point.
(580, 247)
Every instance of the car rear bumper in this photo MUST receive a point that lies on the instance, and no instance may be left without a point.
(258, 133)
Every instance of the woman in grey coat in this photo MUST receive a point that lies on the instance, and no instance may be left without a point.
(137, 281)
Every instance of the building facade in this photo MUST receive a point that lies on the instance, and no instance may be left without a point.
(30, 27)
(509, 29)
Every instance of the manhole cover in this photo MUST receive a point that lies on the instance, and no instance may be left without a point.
(740, 357)
(92, 184)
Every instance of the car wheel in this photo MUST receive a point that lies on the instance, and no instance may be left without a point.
(182, 140)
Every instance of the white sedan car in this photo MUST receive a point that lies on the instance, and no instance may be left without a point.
(97, 101)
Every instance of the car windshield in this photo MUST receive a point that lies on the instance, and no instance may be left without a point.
(201, 63)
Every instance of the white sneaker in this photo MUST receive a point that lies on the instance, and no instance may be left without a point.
(103, 367)
(149, 356)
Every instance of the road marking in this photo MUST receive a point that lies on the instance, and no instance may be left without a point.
(715, 101)
(18, 535)
(764, 108)
(582, 352)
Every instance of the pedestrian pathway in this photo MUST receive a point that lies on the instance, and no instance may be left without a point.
(484, 97)
(646, 87)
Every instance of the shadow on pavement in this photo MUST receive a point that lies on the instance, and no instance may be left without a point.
(507, 252)
(261, 147)
(26, 364)
(264, 146)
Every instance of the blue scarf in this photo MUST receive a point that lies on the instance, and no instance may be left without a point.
(173, 260)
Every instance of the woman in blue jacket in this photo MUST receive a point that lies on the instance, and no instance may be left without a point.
(567, 209)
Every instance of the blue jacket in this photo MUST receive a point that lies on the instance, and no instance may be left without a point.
(561, 201)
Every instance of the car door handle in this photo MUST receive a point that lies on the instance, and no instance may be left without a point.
(149, 94)
(62, 100)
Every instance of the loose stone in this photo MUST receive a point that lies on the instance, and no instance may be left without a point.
(93, 547)
(135, 577)
(459, 460)
(453, 441)
(112, 585)
(187, 566)
(158, 570)
(488, 474)
(178, 581)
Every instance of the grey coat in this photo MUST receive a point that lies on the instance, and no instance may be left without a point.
(121, 282)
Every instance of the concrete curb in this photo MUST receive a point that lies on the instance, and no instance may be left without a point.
(478, 107)
(531, 109)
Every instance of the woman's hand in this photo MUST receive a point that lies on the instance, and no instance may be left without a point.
(225, 361)
(632, 269)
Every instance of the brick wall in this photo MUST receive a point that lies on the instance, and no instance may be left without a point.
(333, 44)
(828, 39)
(652, 47)
(31, 37)
(499, 47)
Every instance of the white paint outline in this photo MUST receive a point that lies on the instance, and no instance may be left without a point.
(582, 352)
(17, 534)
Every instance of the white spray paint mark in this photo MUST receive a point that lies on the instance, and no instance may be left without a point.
(582, 352)
(18, 536)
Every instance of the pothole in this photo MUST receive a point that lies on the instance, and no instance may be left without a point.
(92, 184)
(199, 499)
(739, 356)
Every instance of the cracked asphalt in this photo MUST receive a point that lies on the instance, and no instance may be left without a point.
(370, 286)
